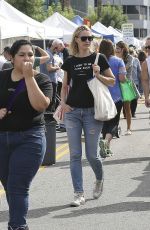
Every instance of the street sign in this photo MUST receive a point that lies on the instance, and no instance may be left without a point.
(127, 30)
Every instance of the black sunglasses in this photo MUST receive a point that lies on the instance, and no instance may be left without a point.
(147, 47)
(84, 38)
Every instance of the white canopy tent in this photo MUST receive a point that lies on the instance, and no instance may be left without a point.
(118, 36)
(15, 23)
(65, 24)
(59, 21)
(99, 27)
(115, 32)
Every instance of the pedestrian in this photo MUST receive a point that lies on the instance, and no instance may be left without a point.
(62, 51)
(110, 128)
(145, 75)
(136, 76)
(7, 64)
(39, 60)
(24, 96)
(122, 51)
(50, 68)
(79, 109)
(142, 57)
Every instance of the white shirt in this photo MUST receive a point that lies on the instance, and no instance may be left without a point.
(2, 61)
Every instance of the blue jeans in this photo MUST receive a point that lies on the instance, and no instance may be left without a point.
(77, 120)
(21, 154)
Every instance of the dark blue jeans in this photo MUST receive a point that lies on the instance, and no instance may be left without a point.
(21, 154)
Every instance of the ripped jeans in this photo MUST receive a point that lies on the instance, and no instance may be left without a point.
(77, 120)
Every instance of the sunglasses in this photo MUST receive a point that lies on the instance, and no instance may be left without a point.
(147, 47)
(85, 38)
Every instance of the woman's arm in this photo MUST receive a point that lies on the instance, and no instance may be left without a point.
(36, 97)
(107, 77)
(64, 92)
(145, 83)
(44, 55)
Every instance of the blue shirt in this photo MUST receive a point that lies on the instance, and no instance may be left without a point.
(118, 67)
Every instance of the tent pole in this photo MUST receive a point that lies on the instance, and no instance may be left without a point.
(44, 42)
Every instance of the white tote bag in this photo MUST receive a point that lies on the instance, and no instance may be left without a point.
(104, 105)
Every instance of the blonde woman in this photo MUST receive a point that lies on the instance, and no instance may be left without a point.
(79, 110)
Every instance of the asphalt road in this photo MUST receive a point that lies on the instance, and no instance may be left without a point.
(125, 203)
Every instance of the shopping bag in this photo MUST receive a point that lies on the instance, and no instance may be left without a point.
(127, 90)
(104, 106)
(138, 95)
(59, 114)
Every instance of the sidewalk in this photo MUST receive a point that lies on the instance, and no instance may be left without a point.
(125, 203)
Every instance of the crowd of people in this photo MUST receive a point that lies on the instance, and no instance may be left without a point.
(31, 85)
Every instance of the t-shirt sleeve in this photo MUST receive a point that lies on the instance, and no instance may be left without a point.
(103, 63)
(65, 65)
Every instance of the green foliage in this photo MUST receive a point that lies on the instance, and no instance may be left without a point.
(113, 16)
(92, 15)
(67, 12)
(32, 8)
(109, 15)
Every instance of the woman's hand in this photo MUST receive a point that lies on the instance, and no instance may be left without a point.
(96, 70)
(28, 71)
(65, 107)
(147, 102)
(3, 113)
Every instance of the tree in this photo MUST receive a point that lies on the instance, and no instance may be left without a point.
(34, 8)
(65, 3)
(66, 12)
(92, 15)
(112, 16)
(99, 8)
(108, 15)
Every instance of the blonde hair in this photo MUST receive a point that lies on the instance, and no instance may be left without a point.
(73, 45)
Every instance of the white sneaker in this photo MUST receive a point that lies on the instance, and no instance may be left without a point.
(78, 200)
(128, 132)
(97, 192)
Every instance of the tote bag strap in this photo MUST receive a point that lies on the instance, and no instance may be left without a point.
(96, 60)
(20, 87)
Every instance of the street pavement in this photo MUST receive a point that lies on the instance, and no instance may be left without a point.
(125, 203)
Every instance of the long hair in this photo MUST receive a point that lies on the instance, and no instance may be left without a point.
(125, 49)
(73, 45)
(107, 48)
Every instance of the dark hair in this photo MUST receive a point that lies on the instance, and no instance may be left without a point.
(125, 48)
(17, 44)
(107, 48)
(142, 55)
(7, 49)
(50, 43)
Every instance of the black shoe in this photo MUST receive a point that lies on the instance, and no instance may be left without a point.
(21, 228)
(62, 129)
